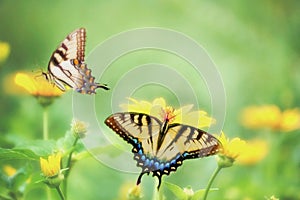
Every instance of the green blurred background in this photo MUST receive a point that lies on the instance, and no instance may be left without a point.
(254, 44)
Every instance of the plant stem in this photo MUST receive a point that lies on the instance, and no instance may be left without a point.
(211, 180)
(68, 166)
(70, 157)
(48, 191)
(60, 193)
(156, 193)
(45, 124)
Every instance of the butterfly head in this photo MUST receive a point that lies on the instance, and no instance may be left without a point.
(168, 114)
(46, 76)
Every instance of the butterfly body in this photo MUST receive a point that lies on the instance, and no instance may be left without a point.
(161, 147)
(67, 67)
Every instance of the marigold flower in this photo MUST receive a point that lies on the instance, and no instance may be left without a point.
(231, 148)
(290, 120)
(159, 108)
(37, 85)
(51, 166)
(270, 116)
(4, 51)
(241, 151)
(253, 152)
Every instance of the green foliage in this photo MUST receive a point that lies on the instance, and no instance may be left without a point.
(256, 49)
(12, 154)
(13, 187)
(186, 193)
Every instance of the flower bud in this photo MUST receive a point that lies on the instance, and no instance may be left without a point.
(78, 128)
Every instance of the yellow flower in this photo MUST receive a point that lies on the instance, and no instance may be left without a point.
(239, 150)
(135, 193)
(253, 152)
(4, 51)
(270, 116)
(51, 167)
(290, 120)
(37, 85)
(127, 192)
(9, 170)
(159, 108)
(231, 148)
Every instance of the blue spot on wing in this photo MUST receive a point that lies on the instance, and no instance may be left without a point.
(185, 154)
(156, 165)
(135, 140)
(162, 166)
(140, 152)
(167, 165)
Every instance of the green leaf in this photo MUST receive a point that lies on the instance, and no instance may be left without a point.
(41, 148)
(12, 154)
(29, 151)
(66, 142)
(177, 191)
(199, 194)
(18, 181)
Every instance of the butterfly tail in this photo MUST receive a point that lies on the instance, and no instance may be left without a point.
(103, 86)
(139, 178)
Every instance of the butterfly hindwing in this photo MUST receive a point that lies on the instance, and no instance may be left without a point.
(67, 67)
(180, 142)
(189, 141)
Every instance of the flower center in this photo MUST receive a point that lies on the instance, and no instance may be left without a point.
(168, 114)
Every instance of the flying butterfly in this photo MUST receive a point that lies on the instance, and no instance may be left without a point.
(67, 67)
(159, 146)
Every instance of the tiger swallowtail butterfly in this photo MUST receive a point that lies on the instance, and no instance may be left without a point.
(67, 67)
(161, 147)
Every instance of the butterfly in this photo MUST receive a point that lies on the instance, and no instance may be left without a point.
(159, 146)
(67, 67)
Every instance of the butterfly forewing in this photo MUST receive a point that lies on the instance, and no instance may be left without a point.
(67, 67)
(136, 127)
(72, 47)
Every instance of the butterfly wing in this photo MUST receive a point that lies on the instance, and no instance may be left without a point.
(189, 141)
(67, 67)
(140, 130)
(180, 142)
(72, 47)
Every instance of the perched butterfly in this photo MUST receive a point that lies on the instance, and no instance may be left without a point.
(67, 68)
(160, 146)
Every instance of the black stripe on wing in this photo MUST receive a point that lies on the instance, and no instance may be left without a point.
(194, 142)
(186, 142)
(72, 47)
(130, 126)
